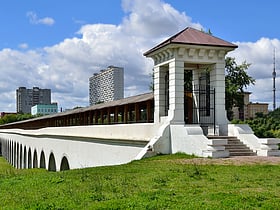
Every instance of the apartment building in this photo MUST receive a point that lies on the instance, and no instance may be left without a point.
(26, 98)
(250, 109)
(107, 85)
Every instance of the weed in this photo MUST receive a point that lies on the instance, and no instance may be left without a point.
(195, 171)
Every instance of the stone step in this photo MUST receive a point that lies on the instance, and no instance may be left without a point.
(239, 150)
(232, 154)
(235, 146)
(235, 142)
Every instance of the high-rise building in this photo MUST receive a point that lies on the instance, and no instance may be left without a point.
(26, 98)
(108, 85)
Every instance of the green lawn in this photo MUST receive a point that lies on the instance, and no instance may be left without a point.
(162, 182)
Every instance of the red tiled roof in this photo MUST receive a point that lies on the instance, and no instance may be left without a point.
(193, 36)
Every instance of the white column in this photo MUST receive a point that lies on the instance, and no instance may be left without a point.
(218, 81)
(176, 92)
(159, 93)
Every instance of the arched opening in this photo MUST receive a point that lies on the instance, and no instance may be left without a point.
(64, 164)
(14, 154)
(24, 157)
(29, 159)
(9, 151)
(52, 166)
(0, 148)
(17, 158)
(42, 160)
(20, 157)
(35, 159)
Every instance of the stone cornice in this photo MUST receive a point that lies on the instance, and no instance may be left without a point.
(189, 52)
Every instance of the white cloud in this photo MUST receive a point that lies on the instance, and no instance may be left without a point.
(66, 67)
(260, 55)
(23, 46)
(154, 19)
(33, 18)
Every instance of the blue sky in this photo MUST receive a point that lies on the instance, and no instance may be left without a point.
(60, 44)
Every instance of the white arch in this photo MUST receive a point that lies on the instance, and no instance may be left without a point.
(29, 162)
(52, 163)
(24, 157)
(42, 160)
(35, 159)
(64, 164)
(20, 156)
(17, 156)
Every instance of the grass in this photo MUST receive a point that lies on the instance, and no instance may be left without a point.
(162, 182)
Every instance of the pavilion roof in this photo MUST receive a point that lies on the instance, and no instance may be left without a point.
(193, 36)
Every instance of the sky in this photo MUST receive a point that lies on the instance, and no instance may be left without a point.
(60, 44)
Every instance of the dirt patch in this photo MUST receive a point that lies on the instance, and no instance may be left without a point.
(240, 160)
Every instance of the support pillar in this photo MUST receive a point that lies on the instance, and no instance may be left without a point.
(217, 77)
(159, 92)
(176, 92)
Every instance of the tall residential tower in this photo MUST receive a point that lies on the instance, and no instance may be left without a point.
(108, 85)
(26, 98)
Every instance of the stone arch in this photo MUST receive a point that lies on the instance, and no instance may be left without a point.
(20, 156)
(64, 164)
(0, 147)
(35, 159)
(29, 159)
(13, 153)
(8, 150)
(52, 166)
(42, 160)
(24, 157)
(17, 156)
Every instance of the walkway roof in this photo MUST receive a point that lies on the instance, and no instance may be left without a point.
(124, 101)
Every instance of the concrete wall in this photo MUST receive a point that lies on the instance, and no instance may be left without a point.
(79, 146)
(25, 152)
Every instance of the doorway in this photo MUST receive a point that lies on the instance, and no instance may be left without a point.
(188, 97)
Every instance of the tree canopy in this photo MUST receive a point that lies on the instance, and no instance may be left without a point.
(236, 79)
(9, 118)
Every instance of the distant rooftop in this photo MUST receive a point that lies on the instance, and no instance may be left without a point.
(193, 36)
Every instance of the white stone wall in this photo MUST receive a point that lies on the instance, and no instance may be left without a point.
(83, 146)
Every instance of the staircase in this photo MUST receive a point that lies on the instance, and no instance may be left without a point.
(235, 146)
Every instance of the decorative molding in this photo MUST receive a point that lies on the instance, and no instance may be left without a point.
(188, 51)
(211, 53)
(181, 51)
(201, 52)
(221, 53)
(192, 52)
(163, 56)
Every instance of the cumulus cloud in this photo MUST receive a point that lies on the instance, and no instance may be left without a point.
(23, 46)
(66, 67)
(154, 19)
(260, 54)
(33, 18)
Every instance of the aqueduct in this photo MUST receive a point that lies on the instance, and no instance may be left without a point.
(186, 113)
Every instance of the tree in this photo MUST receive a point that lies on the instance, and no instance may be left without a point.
(236, 79)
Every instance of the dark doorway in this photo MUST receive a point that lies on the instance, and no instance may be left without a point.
(188, 97)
